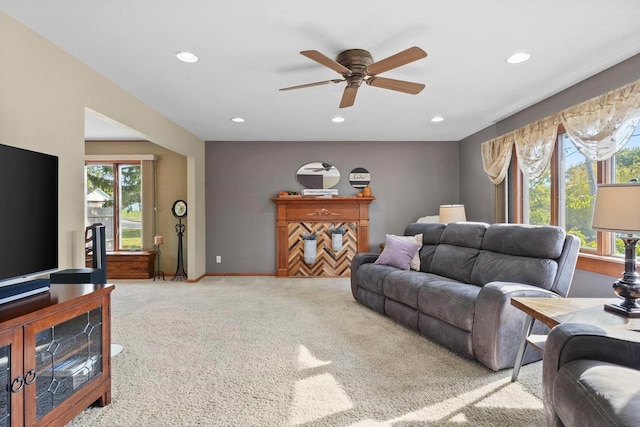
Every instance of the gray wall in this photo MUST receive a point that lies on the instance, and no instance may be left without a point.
(476, 191)
(408, 179)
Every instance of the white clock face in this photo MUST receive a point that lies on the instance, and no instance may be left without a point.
(180, 208)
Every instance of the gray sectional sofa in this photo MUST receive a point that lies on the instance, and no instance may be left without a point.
(469, 271)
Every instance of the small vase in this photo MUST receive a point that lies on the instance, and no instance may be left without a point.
(336, 241)
(366, 191)
(309, 251)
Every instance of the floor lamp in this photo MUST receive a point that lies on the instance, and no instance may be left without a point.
(617, 210)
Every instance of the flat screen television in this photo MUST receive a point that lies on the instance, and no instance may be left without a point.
(28, 213)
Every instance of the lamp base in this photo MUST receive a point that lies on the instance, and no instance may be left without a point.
(619, 309)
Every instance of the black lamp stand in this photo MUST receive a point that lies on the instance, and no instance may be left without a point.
(180, 273)
(629, 286)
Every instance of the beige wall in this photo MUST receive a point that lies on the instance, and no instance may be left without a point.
(44, 92)
(171, 171)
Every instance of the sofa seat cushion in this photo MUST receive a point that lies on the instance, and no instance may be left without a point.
(450, 301)
(371, 276)
(498, 267)
(596, 393)
(403, 286)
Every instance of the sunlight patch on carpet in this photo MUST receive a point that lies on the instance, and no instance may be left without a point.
(306, 360)
(512, 397)
(317, 397)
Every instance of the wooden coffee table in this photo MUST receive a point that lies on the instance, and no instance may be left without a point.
(553, 311)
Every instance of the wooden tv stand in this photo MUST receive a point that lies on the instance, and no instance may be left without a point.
(55, 354)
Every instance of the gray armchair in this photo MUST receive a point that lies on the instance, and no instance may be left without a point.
(591, 376)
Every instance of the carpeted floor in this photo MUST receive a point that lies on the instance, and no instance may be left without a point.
(262, 351)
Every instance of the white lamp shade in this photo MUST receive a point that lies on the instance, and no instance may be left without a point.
(452, 213)
(617, 208)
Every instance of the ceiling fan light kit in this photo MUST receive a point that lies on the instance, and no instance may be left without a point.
(357, 66)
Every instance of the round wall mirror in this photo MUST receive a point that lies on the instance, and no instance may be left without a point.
(318, 175)
(359, 178)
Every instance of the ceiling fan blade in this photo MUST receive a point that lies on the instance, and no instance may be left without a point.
(394, 61)
(349, 96)
(397, 85)
(313, 84)
(326, 61)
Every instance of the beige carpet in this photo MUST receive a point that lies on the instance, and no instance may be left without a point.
(248, 351)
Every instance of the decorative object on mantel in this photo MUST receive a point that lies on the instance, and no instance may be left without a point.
(179, 210)
(359, 178)
(289, 193)
(452, 213)
(617, 209)
(309, 247)
(336, 237)
(318, 175)
(366, 191)
(320, 192)
(157, 241)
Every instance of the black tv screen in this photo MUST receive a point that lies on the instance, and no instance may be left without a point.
(28, 213)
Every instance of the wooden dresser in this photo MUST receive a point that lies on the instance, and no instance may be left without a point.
(130, 264)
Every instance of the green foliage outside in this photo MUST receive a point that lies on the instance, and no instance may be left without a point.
(131, 238)
(130, 182)
(580, 188)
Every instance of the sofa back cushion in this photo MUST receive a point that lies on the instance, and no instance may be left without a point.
(525, 240)
(519, 253)
(493, 266)
(459, 247)
(431, 234)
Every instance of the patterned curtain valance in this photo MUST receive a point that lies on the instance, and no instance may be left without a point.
(496, 157)
(601, 126)
(534, 145)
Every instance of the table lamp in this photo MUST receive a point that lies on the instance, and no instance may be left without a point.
(617, 209)
(452, 213)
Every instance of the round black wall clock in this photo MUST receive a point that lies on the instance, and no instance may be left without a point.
(179, 209)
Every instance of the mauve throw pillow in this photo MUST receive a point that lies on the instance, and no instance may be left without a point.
(415, 261)
(397, 253)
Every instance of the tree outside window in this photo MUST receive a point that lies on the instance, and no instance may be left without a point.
(565, 194)
(114, 199)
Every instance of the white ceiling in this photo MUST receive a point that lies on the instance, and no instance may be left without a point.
(249, 49)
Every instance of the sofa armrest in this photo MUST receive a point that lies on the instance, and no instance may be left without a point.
(575, 341)
(356, 262)
(498, 326)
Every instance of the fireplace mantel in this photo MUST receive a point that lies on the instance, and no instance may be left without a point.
(305, 214)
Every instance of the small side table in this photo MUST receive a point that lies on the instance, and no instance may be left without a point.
(553, 311)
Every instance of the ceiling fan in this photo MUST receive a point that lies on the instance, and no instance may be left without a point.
(357, 66)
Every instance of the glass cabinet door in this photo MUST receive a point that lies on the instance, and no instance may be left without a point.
(68, 355)
(11, 379)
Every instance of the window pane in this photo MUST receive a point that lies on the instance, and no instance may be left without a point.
(100, 199)
(537, 199)
(577, 188)
(130, 226)
(626, 166)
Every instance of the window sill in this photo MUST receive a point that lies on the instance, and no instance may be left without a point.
(608, 265)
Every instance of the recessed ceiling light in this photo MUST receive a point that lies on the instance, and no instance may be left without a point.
(237, 120)
(337, 119)
(518, 57)
(187, 57)
(437, 119)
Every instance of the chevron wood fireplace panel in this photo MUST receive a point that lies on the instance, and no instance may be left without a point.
(297, 216)
(328, 262)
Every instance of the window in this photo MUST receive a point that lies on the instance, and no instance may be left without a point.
(565, 193)
(114, 198)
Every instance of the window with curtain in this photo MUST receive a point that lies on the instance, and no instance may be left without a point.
(564, 193)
